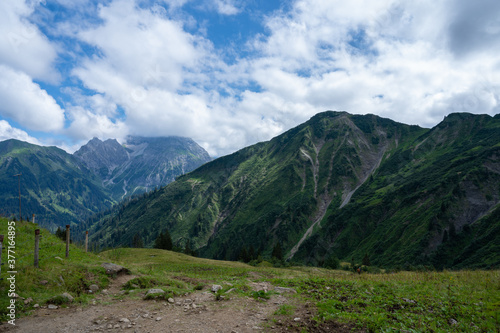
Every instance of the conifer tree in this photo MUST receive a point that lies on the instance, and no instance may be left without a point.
(366, 260)
(277, 252)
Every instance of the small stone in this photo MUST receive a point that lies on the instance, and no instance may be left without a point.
(171, 300)
(158, 318)
(282, 290)
(52, 307)
(124, 320)
(194, 306)
(188, 301)
(453, 322)
(36, 306)
(28, 300)
(117, 326)
(68, 297)
(145, 315)
(109, 326)
(105, 292)
(216, 288)
(155, 291)
(44, 282)
(296, 319)
(94, 287)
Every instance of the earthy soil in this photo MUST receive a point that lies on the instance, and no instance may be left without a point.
(196, 312)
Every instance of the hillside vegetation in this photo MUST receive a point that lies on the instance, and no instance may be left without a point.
(426, 301)
(338, 186)
(61, 188)
(53, 185)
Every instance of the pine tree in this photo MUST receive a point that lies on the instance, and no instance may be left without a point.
(277, 252)
(60, 234)
(137, 241)
(164, 241)
(332, 262)
(187, 250)
(366, 260)
(243, 255)
(159, 241)
(251, 253)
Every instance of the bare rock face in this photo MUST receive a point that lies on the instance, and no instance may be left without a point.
(140, 164)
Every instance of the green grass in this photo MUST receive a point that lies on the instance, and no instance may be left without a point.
(72, 275)
(465, 301)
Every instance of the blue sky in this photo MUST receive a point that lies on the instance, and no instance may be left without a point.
(229, 73)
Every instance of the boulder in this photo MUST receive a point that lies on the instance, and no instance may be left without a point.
(154, 292)
(216, 288)
(68, 297)
(114, 269)
(283, 290)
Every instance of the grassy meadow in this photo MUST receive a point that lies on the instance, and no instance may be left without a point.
(463, 301)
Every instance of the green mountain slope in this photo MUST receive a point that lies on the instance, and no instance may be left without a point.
(339, 184)
(53, 185)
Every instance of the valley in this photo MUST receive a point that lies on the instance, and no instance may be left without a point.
(338, 186)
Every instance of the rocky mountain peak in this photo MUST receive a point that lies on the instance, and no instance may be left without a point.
(141, 163)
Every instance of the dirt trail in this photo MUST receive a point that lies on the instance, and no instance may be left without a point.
(196, 312)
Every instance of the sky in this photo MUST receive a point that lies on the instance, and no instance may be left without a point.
(230, 73)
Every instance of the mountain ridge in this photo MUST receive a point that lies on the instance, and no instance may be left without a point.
(158, 159)
(338, 185)
(61, 188)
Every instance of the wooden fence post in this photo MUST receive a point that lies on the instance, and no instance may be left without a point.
(33, 218)
(67, 240)
(37, 242)
(1, 245)
(86, 241)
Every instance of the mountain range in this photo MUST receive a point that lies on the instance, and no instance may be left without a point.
(61, 188)
(340, 185)
(141, 164)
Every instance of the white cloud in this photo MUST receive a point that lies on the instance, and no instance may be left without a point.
(397, 59)
(140, 47)
(26, 103)
(226, 7)
(9, 132)
(390, 58)
(87, 124)
(22, 45)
